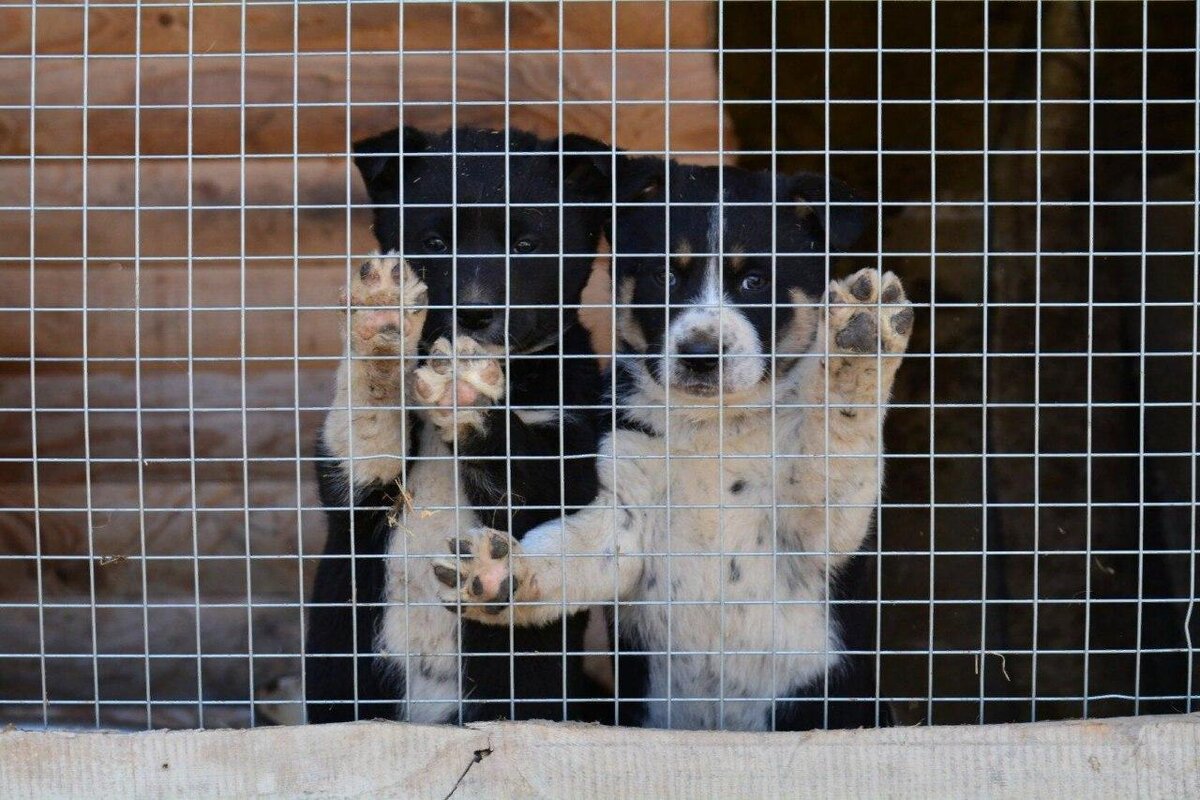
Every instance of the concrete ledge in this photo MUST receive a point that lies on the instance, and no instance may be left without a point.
(1147, 757)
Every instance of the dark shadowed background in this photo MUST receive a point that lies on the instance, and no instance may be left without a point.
(967, 502)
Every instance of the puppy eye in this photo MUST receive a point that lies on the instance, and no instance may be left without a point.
(434, 244)
(364, 271)
(664, 278)
(526, 244)
(754, 283)
(396, 274)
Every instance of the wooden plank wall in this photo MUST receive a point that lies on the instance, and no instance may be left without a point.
(141, 250)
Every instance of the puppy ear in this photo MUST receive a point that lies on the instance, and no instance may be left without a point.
(587, 166)
(378, 160)
(640, 178)
(844, 218)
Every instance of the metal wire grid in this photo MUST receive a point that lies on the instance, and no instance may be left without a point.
(58, 700)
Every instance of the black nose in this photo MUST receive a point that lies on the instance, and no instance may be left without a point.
(699, 355)
(475, 319)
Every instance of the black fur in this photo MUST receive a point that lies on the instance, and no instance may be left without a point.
(420, 203)
(334, 626)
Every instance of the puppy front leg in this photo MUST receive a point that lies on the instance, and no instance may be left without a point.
(862, 338)
(366, 429)
(593, 556)
(417, 639)
(361, 452)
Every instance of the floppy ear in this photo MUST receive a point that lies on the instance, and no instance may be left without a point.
(640, 178)
(844, 219)
(587, 166)
(378, 160)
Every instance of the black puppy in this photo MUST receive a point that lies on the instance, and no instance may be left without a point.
(740, 482)
(485, 286)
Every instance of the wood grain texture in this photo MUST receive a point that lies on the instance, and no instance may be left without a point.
(1148, 757)
(276, 215)
(359, 90)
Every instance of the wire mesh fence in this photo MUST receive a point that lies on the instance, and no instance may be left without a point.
(193, 194)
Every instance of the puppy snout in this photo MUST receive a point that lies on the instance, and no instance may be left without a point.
(699, 355)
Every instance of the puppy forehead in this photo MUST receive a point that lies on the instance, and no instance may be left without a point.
(481, 178)
(681, 253)
(712, 233)
(691, 231)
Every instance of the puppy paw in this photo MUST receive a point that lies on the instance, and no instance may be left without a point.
(485, 578)
(459, 386)
(388, 305)
(281, 700)
(866, 314)
(861, 320)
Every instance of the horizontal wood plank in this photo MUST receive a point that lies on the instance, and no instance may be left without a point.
(357, 92)
(1147, 757)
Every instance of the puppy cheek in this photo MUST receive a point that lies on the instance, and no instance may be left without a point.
(631, 330)
(796, 324)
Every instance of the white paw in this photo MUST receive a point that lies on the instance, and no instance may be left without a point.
(458, 386)
(388, 305)
(281, 700)
(869, 323)
(484, 576)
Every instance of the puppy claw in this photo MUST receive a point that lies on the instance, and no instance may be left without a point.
(447, 575)
(460, 547)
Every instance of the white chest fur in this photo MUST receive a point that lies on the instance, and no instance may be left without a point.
(735, 577)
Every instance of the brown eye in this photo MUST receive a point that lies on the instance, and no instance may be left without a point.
(664, 278)
(364, 271)
(526, 244)
(434, 244)
(396, 274)
(754, 283)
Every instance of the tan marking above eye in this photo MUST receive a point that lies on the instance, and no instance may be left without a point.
(682, 256)
(625, 291)
(736, 261)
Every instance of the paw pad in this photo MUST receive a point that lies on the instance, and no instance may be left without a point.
(388, 307)
(857, 306)
(478, 578)
(458, 384)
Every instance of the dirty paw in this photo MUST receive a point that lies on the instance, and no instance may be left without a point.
(482, 576)
(458, 385)
(388, 305)
(868, 313)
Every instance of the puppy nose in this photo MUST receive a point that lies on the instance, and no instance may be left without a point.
(699, 355)
(474, 318)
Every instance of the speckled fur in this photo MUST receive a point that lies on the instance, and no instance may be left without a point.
(745, 580)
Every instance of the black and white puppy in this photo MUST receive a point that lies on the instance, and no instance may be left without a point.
(743, 477)
(487, 268)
